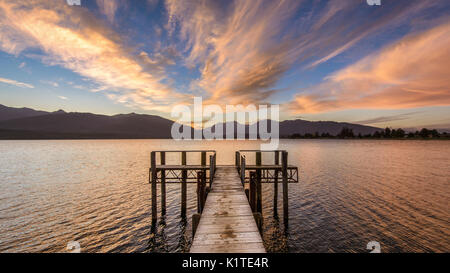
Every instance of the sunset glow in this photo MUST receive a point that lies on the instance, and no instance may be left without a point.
(348, 61)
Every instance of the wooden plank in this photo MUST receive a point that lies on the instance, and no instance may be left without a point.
(230, 192)
(228, 237)
(229, 210)
(229, 248)
(268, 167)
(227, 223)
(229, 199)
(243, 219)
(219, 188)
(221, 228)
(182, 167)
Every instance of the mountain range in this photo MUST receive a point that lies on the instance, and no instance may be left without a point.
(26, 123)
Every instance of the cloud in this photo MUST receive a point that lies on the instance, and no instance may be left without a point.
(387, 118)
(410, 73)
(236, 47)
(72, 38)
(108, 8)
(239, 49)
(243, 48)
(54, 84)
(63, 98)
(16, 83)
(22, 65)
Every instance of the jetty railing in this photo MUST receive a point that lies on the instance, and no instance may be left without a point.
(255, 175)
(183, 174)
(251, 175)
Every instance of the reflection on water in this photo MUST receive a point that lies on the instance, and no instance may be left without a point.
(351, 192)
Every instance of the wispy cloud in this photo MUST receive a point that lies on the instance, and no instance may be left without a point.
(384, 119)
(52, 83)
(108, 8)
(412, 72)
(243, 48)
(63, 98)
(16, 83)
(72, 38)
(238, 48)
(239, 51)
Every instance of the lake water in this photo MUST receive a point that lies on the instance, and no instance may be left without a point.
(351, 192)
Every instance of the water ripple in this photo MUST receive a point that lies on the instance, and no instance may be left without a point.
(350, 193)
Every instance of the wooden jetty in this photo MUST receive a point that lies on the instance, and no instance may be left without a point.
(229, 208)
(227, 223)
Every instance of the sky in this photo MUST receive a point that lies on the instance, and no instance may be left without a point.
(385, 65)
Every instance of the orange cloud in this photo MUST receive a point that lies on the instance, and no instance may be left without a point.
(242, 48)
(245, 48)
(412, 72)
(72, 38)
(239, 53)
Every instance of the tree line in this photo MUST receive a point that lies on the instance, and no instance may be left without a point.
(388, 133)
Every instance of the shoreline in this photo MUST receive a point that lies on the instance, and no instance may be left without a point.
(138, 138)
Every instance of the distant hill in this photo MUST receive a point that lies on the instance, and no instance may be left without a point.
(299, 126)
(25, 123)
(85, 125)
(7, 113)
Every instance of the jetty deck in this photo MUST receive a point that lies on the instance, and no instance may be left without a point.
(227, 223)
(229, 197)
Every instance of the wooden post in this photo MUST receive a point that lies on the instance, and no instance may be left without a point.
(258, 183)
(275, 185)
(153, 180)
(211, 170)
(163, 184)
(201, 191)
(259, 220)
(198, 191)
(258, 195)
(195, 222)
(242, 171)
(203, 162)
(253, 191)
(284, 161)
(183, 184)
(236, 159)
